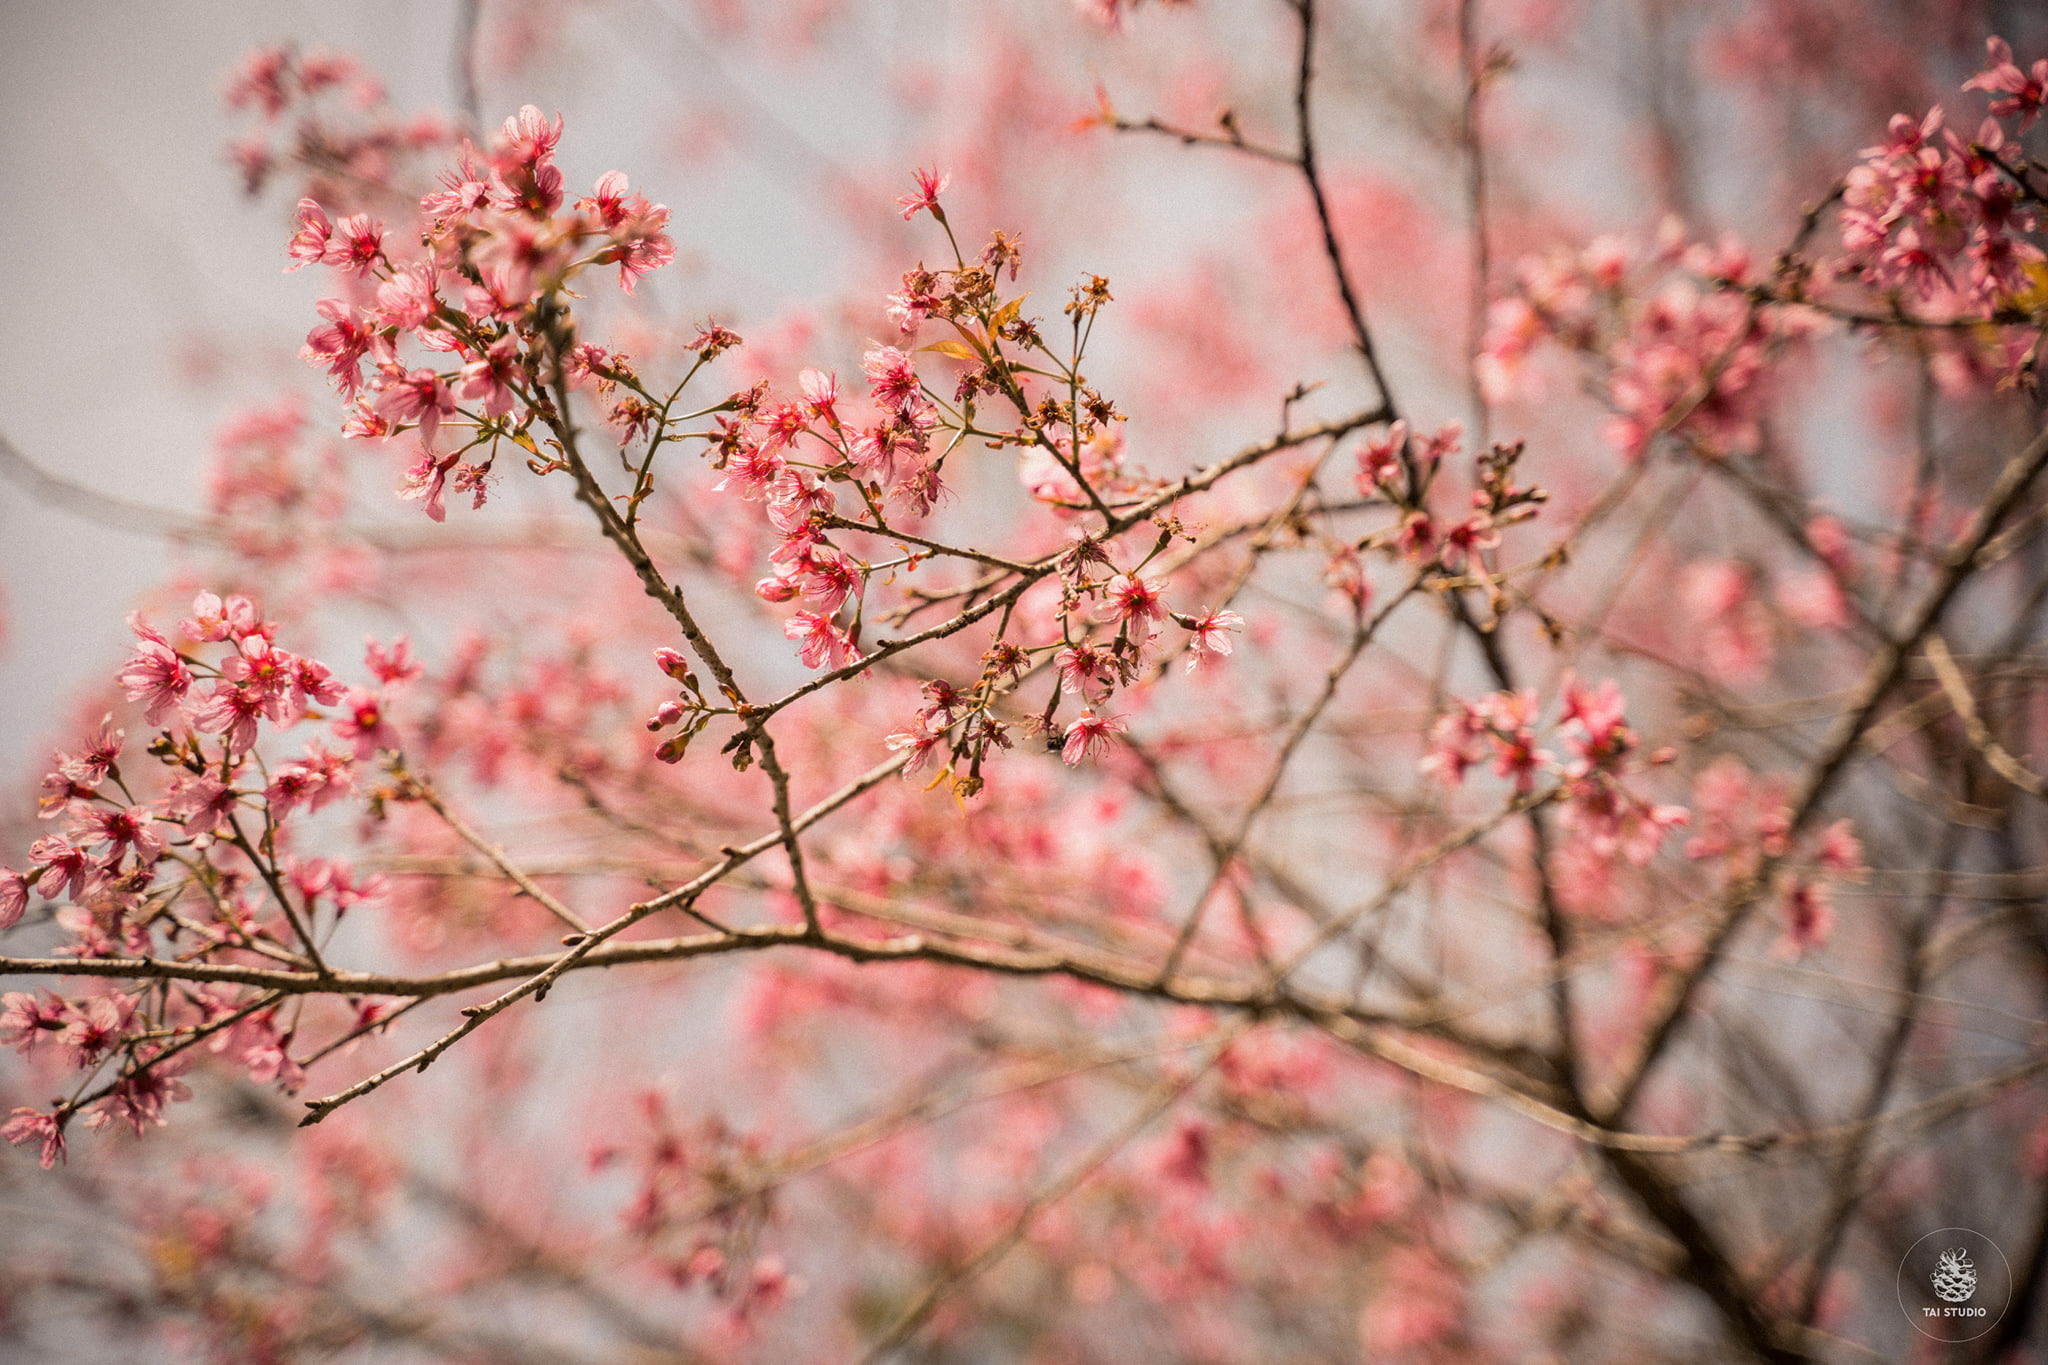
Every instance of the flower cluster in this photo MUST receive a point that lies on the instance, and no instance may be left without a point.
(1679, 345)
(1743, 821)
(1403, 472)
(116, 869)
(495, 247)
(1948, 219)
(1610, 819)
(837, 475)
(321, 112)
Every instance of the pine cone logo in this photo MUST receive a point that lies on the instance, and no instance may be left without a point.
(1955, 1279)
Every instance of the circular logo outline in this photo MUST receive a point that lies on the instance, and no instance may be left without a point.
(1991, 1320)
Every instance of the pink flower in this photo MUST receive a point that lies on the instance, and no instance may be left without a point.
(1809, 920)
(311, 682)
(232, 712)
(824, 643)
(490, 377)
(318, 778)
(29, 1126)
(751, 472)
(1597, 714)
(515, 254)
(93, 1028)
(419, 396)
(821, 392)
(1086, 670)
(268, 1056)
(1090, 735)
(157, 677)
(795, 498)
(465, 190)
(123, 829)
(265, 669)
(922, 739)
(1455, 744)
(713, 340)
(362, 723)
(827, 579)
(609, 203)
(357, 245)
(312, 232)
(25, 1020)
(342, 344)
(1910, 261)
(90, 766)
(527, 136)
(407, 299)
(672, 662)
(1841, 852)
(60, 863)
(2025, 91)
(1211, 637)
(261, 81)
(635, 227)
(1133, 601)
(208, 622)
(892, 378)
(930, 185)
(427, 484)
(201, 803)
(393, 665)
(13, 897)
(1381, 459)
(138, 1099)
(1904, 136)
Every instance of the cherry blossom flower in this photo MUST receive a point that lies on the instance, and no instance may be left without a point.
(825, 645)
(94, 1026)
(1085, 670)
(892, 378)
(821, 392)
(1133, 601)
(124, 829)
(1090, 735)
(13, 897)
(26, 1020)
(419, 396)
(921, 739)
(139, 1097)
(357, 245)
(426, 483)
(1380, 459)
(315, 779)
(27, 1125)
(341, 345)
(1211, 636)
(672, 662)
(2022, 92)
(311, 235)
(930, 185)
(362, 723)
(62, 866)
(156, 676)
(202, 803)
(394, 664)
(231, 712)
(1809, 919)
